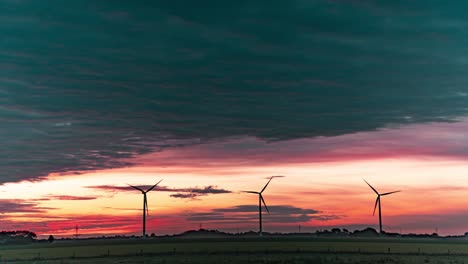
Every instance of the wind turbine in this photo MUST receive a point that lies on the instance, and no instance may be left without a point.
(260, 200)
(145, 204)
(377, 201)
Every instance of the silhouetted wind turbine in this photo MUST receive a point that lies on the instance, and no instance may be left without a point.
(377, 201)
(260, 200)
(145, 204)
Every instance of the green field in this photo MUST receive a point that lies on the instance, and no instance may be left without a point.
(240, 250)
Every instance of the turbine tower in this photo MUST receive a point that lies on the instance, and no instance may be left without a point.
(145, 204)
(377, 201)
(260, 201)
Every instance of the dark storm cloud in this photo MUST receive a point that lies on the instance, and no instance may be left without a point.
(190, 193)
(85, 83)
(249, 213)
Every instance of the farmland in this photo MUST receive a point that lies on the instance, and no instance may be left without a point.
(241, 250)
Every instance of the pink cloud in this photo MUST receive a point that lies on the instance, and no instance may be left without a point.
(431, 140)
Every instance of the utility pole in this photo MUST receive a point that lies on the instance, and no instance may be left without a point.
(76, 232)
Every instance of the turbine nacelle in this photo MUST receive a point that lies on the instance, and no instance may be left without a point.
(260, 197)
(377, 201)
(141, 190)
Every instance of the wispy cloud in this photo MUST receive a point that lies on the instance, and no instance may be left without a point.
(21, 206)
(184, 193)
(411, 141)
(69, 198)
(197, 192)
(249, 213)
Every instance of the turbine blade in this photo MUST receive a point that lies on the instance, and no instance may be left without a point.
(372, 187)
(376, 202)
(266, 207)
(154, 186)
(389, 193)
(266, 184)
(250, 192)
(135, 187)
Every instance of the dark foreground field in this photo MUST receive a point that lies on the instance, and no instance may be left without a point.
(240, 250)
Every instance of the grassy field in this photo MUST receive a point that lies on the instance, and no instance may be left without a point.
(240, 250)
(262, 259)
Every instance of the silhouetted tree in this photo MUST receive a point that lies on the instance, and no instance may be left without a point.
(18, 236)
(51, 239)
(368, 232)
(336, 230)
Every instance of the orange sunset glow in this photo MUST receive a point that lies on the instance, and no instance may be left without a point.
(326, 193)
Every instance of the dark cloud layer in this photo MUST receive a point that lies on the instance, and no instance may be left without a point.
(183, 193)
(249, 213)
(84, 83)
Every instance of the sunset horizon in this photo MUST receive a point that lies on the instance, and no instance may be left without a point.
(214, 99)
(202, 186)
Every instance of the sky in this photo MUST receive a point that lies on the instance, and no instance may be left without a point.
(215, 97)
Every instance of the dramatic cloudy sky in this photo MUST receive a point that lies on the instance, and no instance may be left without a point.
(214, 97)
